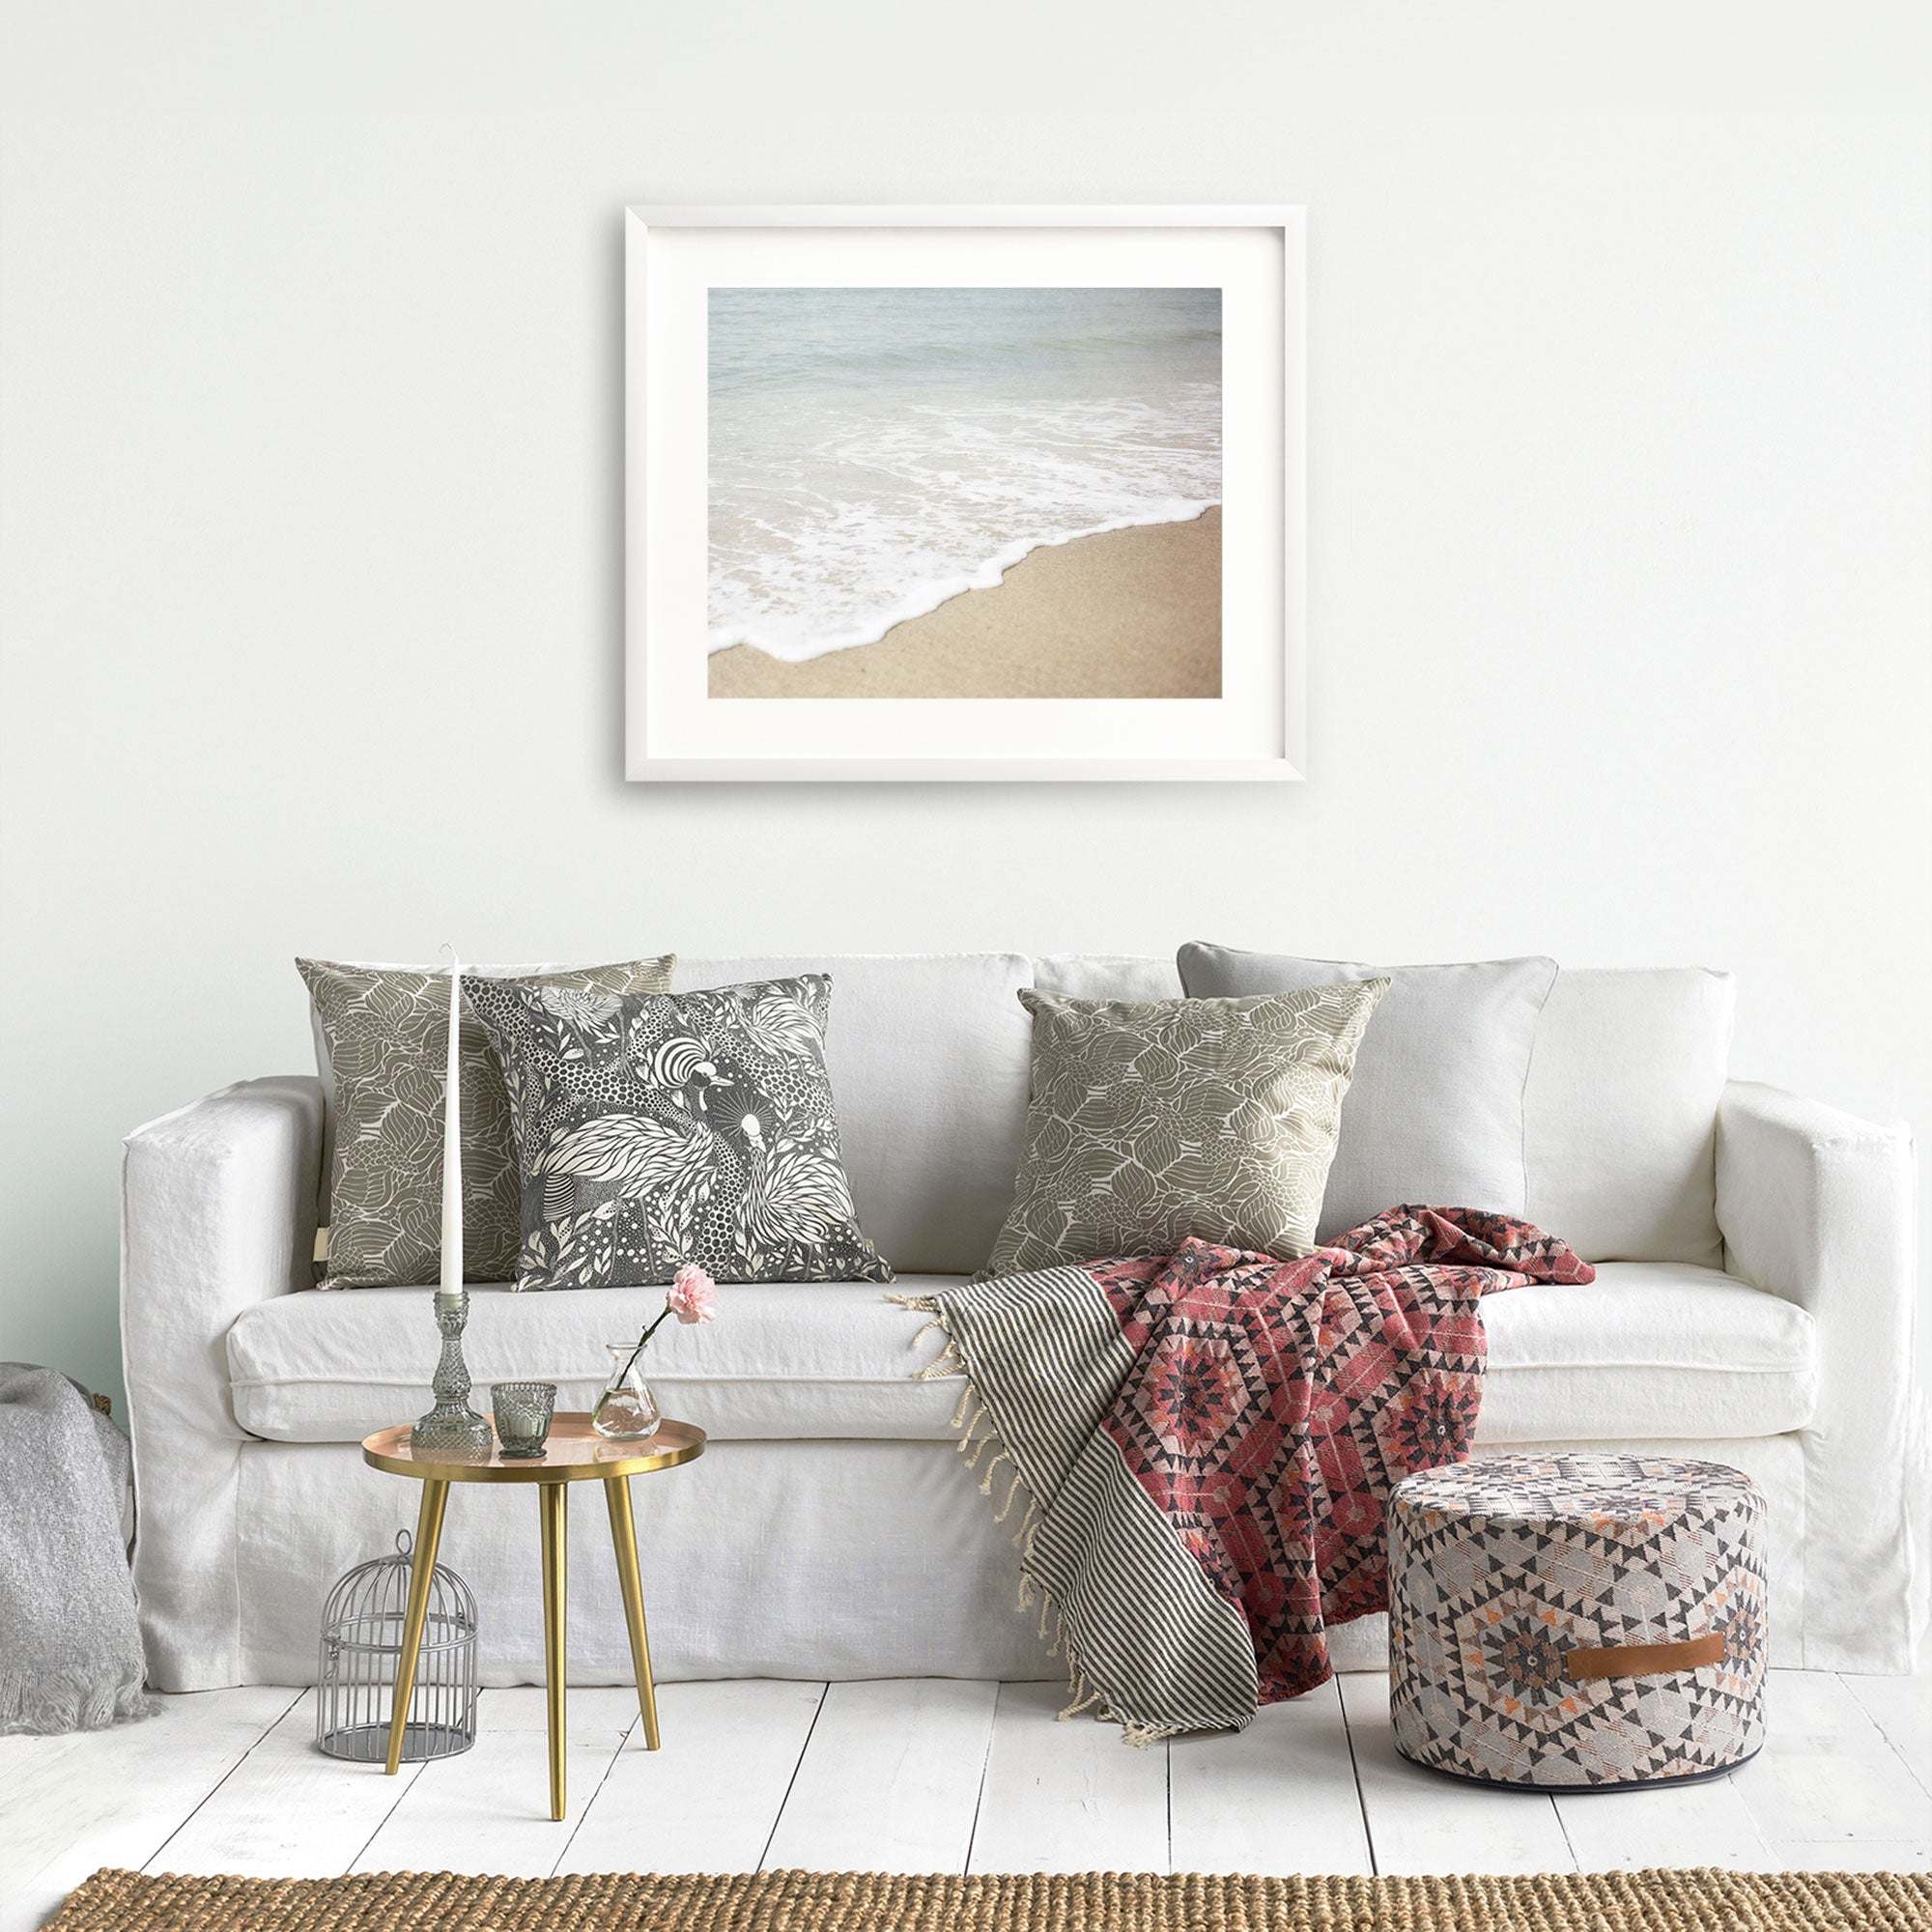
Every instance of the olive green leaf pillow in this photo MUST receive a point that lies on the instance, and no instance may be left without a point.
(1148, 1123)
(382, 1033)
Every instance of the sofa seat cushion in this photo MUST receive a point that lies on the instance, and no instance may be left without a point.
(781, 1360)
(1650, 1350)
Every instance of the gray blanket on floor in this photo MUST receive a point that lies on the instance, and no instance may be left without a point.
(70, 1644)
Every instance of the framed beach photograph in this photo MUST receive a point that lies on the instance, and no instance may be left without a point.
(964, 492)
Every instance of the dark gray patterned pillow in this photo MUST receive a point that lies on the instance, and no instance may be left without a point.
(1152, 1121)
(385, 1033)
(656, 1130)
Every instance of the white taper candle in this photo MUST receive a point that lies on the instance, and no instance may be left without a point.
(452, 1143)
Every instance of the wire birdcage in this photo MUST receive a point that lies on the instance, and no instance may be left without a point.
(361, 1645)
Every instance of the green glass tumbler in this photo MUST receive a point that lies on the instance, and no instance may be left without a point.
(522, 1412)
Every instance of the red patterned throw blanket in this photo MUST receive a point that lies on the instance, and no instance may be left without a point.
(1205, 1443)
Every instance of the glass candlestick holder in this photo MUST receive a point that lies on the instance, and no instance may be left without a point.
(452, 1431)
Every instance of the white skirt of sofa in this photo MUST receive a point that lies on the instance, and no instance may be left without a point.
(828, 1559)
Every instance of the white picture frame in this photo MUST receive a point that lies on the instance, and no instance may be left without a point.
(1254, 731)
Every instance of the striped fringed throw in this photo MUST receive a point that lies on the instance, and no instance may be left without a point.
(1200, 1446)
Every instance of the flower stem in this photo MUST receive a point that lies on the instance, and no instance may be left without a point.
(650, 1329)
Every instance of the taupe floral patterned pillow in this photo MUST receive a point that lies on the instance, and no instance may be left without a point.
(386, 1034)
(1148, 1123)
(691, 1127)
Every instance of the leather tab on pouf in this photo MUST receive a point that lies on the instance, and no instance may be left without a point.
(1587, 1621)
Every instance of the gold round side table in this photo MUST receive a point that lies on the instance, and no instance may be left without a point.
(575, 1453)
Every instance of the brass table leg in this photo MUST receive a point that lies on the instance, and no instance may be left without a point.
(554, 1503)
(422, 1569)
(624, 1538)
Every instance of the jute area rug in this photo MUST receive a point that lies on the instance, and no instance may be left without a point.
(788, 1901)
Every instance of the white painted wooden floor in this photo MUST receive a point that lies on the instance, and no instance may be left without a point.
(926, 1775)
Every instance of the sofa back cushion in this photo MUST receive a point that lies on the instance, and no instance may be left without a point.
(928, 1056)
(1621, 1110)
(1434, 1114)
(1106, 976)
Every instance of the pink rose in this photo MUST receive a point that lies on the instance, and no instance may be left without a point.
(693, 1296)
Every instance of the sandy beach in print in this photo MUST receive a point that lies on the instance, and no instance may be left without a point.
(1128, 613)
(964, 492)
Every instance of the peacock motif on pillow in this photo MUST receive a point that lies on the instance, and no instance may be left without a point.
(657, 1129)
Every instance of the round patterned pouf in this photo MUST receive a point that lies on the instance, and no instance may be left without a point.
(1582, 1622)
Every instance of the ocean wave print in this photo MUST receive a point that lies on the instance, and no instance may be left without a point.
(874, 452)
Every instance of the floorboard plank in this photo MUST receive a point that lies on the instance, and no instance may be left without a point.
(1827, 1773)
(1276, 1798)
(488, 1809)
(1705, 1824)
(1901, 1707)
(1419, 1821)
(929, 1774)
(890, 1778)
(593, 1709)
(71, 1804)
(1902, 1855)
(1071, 1797)
(286, 1810)
(709, 1799)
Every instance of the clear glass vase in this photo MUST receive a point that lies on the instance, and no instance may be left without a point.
(627, 1409)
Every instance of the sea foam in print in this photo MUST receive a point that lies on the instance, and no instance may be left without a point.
(874, 452)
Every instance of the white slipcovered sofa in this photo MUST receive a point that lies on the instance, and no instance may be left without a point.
(1754, 1304)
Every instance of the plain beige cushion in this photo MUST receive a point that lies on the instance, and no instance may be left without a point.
(1621, 1112)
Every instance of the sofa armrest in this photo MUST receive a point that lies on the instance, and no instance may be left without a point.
(217, 1212)
(1817, 1205)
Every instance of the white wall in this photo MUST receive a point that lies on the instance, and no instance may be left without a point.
(1619, 480)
